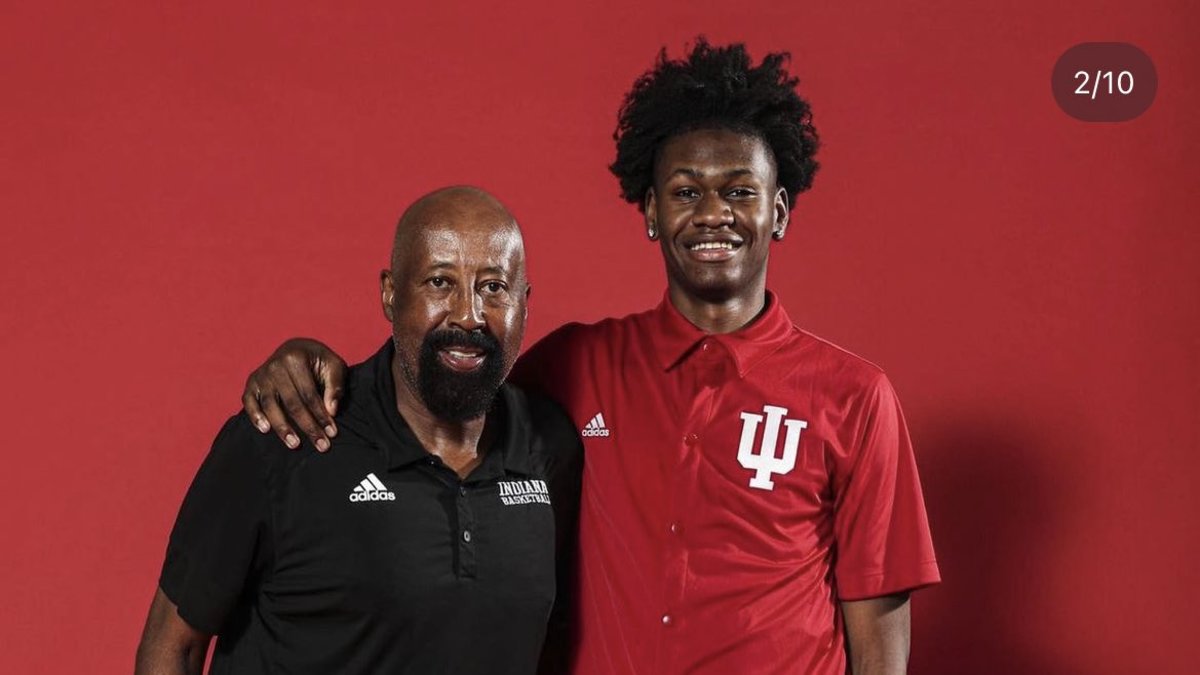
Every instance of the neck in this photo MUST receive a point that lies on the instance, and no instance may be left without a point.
(719, 314)
(460, 445)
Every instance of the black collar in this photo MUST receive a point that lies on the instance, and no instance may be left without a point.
(400, 445)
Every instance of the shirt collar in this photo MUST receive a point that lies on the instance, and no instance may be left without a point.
(401, 446)
(675, 337)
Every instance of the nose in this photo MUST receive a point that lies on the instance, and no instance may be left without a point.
(712, 211)
(466, 309)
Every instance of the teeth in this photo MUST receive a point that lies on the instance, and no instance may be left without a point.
(462, 355)
(712, 246)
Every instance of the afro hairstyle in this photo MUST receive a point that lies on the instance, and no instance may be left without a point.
(715, 87)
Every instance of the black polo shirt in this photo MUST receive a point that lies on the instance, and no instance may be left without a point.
(375, 557)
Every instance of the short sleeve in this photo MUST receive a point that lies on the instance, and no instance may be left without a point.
(880, 526)
(220, 535)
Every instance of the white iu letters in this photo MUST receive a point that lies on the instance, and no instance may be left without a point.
(764, 463)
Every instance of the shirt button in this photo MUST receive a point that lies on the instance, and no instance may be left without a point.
(462, 490)
(666, 619)
(674, 528)
(467, 536)
(691, 439)
(704, 346)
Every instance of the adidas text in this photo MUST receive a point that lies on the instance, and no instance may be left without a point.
(371, 489)
(373, 496)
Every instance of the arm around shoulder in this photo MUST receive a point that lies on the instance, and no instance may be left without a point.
(300, 385)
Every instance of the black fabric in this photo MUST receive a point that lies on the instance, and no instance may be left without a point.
(431, 574)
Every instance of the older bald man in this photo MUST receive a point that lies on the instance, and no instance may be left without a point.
(437, 539)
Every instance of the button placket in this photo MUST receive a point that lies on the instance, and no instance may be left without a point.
(466, 538)
(708, 370)
(698, 381)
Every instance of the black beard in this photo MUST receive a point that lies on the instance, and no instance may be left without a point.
(453, 396)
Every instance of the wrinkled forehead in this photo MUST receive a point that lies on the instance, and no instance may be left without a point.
(470, 246)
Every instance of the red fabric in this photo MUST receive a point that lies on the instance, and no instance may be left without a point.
(687, 568)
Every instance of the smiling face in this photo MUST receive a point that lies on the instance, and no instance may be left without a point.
(456, 296)
(714, 207)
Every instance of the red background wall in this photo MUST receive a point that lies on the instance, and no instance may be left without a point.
(183, 185)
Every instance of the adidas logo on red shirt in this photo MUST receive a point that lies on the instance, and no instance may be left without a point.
(595, 427)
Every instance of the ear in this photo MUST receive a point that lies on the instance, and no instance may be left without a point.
(650, 214)
(782, 214)
(387, 293)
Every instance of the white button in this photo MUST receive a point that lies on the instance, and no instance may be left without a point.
(674, 528)
(467, 536)
(704, 346)
(666, 619)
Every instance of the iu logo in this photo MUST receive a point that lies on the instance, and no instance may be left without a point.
(765, 462)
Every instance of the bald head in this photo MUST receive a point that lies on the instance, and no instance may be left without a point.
(462, 209)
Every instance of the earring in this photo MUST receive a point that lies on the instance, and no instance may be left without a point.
(777, 235)
(652, 233)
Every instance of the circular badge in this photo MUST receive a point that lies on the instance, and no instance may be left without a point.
(1104, 82)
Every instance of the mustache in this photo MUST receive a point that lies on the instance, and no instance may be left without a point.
(445, 338)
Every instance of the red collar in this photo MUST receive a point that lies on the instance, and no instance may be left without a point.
(675, 337)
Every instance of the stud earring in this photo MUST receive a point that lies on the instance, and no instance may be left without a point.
(777, 235)
(652, 233)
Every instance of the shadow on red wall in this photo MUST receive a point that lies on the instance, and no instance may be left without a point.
(995, 502)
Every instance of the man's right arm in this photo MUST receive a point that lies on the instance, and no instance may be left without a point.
(169, 646)
(221, 540)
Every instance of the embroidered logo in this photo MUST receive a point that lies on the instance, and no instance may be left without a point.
(595, 427)
(765, 462)
(513, 492)
(371, 489)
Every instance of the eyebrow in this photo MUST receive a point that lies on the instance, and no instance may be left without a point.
(446, 265)
(693, 173)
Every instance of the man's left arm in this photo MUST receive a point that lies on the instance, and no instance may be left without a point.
(169, 645)
(877, 634)
(884, 549)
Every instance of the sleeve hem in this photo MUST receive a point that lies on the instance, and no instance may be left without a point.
(866, 586)
(196, 618)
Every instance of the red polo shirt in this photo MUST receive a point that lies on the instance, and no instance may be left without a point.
(736, 487)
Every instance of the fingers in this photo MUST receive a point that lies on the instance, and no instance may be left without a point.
(304, 405)
(282, 394)
(270, 400)
(331, 400)
(253, 410)
(279, 421)
(332, 373)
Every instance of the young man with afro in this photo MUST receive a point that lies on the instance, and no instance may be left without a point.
(751, 502)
